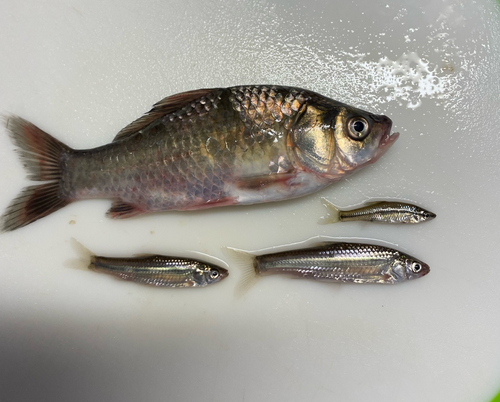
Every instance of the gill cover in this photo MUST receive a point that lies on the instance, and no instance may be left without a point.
(313, 140)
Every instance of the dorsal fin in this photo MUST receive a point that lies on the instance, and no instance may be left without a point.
(166, 106)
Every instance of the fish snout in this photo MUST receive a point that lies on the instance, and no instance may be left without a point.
(386, 121)
(425, 269)
(224, 273)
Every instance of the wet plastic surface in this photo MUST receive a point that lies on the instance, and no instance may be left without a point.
(83, 70)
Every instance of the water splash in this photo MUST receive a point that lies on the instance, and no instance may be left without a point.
(407, 80)
(411, 79)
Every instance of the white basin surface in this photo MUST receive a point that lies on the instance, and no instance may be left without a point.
(82, 70)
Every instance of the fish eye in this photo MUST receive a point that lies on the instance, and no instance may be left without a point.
(358, 128)
(416, 267)
(214, 274)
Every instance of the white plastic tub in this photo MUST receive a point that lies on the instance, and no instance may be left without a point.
(83, 70)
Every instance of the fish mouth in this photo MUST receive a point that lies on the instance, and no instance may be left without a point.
(426, 269)
(385, 143)
(387, 140)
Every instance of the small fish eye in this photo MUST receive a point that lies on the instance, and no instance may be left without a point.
(416, 267)
(214, 274)
(358, 128)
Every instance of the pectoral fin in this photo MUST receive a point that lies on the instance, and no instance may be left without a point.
(261, 182)
(121, 210)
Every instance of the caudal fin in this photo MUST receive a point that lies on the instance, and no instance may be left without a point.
(85, 256)
(42, 157)
(333, 213)
(245, 262)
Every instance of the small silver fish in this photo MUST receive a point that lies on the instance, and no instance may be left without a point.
(156, 270)
(334, 262)
(384, 211)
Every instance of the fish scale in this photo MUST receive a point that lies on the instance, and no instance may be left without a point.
(156, 270)
(382, 211)
(181, 160)
(343, 262)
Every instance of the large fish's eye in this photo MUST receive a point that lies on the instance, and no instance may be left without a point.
(416, 267)
(214, 274)
(358, 128)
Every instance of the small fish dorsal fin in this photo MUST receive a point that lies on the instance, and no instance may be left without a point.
(166, 106)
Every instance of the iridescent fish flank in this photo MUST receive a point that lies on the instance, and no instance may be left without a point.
(332, 262)
(382, 211)
(202, 149)
(154, 270)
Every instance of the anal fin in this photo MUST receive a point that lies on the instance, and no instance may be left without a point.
(221, 202)
(121, 210)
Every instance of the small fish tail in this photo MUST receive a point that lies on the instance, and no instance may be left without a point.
(246, 263)
(333, 213)
(85, 259)
(42, 156)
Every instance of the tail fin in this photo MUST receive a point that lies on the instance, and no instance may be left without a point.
(42, 157)
(333, 213)
(86, 257)
(245, 261)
